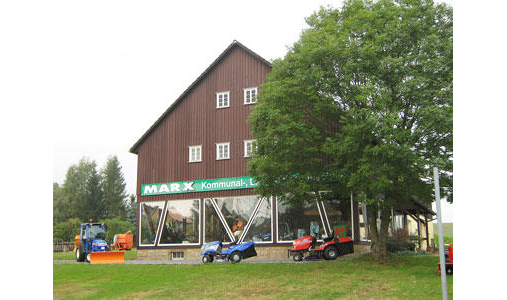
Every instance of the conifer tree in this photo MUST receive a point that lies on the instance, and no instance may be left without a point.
(114, 189)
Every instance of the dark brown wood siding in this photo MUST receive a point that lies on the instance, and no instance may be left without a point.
(163, 156)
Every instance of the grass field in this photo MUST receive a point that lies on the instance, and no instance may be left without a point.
(448, 232)
(404, 277)
(447, 227)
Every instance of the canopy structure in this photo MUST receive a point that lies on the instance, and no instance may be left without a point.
(422, 214)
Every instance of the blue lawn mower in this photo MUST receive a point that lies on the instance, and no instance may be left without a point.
(234, 253)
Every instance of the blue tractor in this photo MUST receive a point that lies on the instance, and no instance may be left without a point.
(235, 252)
(91, 245)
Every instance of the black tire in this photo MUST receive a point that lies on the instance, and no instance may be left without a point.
(298, 256)
(331, 253)
(207, 259)
(80, 255)
(235, 257)
(448, 270)
(87, 258)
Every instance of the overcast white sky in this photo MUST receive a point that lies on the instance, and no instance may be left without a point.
(120, 64)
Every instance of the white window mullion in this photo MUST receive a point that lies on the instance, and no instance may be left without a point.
(250, 95)
(222, 99)
(194, 153)
(162, 223)
(249, 147)
(223, 151)
(222, 219)
(250, 221)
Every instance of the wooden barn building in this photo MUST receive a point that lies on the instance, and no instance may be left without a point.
(192, 183)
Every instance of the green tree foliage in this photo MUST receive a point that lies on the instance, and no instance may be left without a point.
(86, 194)
(67, 230)
(361, 103)
(81, 195)
(132, 210)
(94, 202)
(114, 189)
(58, 203)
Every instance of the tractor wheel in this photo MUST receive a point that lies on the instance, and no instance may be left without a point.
(80, 255)
(331, 253)
(236, 257)
(297, 256)
(88, 257)
(448, 270)
(207, 259)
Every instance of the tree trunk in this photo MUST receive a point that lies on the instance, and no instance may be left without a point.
(379, 237)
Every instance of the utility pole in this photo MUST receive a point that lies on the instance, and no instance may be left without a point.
(441, 244)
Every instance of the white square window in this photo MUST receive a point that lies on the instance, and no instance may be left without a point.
(194, 154)
(222, 99)
(249, 147)
(223, 151)
(250, 95)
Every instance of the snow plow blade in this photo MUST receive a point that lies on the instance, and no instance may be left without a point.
(107, 257)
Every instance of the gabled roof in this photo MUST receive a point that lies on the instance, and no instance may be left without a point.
(234, 44)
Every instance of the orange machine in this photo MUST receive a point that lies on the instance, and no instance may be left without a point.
(76, 242)
(123, 241)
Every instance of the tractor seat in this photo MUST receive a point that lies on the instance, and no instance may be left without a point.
(329, 238)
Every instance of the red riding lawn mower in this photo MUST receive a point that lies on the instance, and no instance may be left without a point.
(330, 248)
(449, 259)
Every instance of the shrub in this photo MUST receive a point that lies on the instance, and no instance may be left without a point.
(67, 230)
(400, 242)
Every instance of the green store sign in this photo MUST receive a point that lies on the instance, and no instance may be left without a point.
(207, 185)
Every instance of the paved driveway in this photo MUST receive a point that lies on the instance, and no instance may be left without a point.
(198, 262)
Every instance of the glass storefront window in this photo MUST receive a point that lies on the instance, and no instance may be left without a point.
(260, 228)
(150, 218)
(338, 214)
(298, 221)
(181, 223)
(237, 211)
(213, 228)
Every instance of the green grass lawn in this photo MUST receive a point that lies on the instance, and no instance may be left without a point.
(403, 277)
(448, 232)
(447, 227)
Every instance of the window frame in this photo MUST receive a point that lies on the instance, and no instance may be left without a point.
(252, 100)
(249, 221)
(278, 241)
(218, 94)
(213, 203)
(254, 215)
(190, 153)
(217, 145)
(245, 142)
(164, 216)
(155, 241)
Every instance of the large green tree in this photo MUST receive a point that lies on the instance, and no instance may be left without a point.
(361, 104)
(114, 189)
(82, 196)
